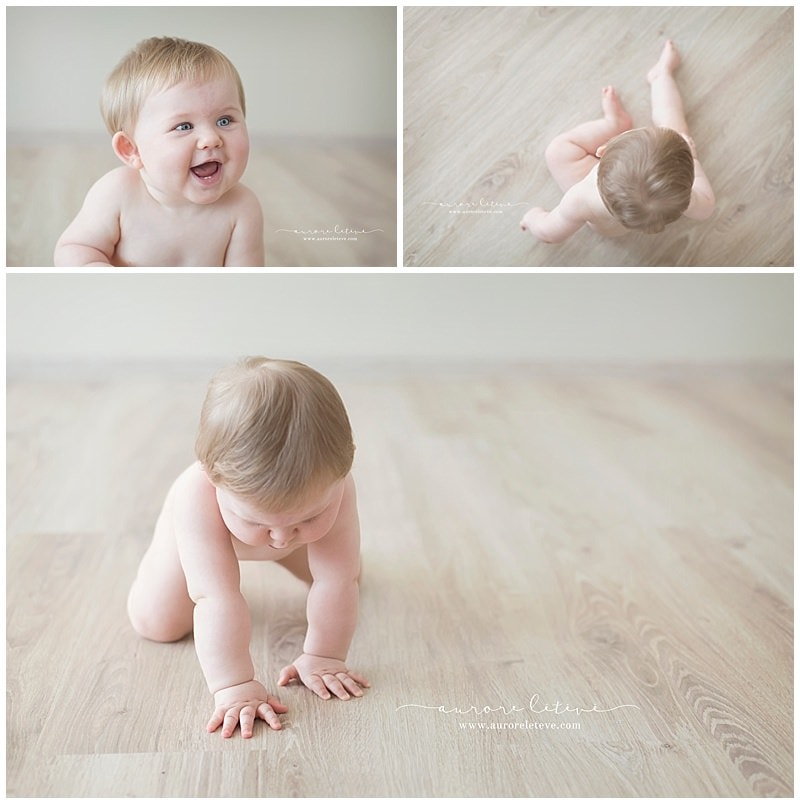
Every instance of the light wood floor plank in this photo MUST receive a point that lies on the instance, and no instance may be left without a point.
(533, 539)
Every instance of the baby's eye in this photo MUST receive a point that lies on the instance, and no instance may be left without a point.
(183, 127)
(224, 121)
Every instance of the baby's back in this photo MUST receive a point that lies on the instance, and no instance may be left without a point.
(598, 217)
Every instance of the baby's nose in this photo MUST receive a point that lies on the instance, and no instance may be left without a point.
(209, 138)
(281, 537)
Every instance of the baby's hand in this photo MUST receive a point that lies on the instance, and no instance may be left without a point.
(241, 704)
(531, 218)
(324, 676)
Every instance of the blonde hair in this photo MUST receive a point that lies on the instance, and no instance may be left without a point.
(273, 432)
(155, 64)
(645, 178)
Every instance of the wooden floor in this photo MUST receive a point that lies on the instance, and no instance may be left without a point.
(486, 89)
(310, 192)
(537, 541)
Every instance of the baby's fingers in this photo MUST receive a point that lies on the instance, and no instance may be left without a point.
(230, 721)
(358, 678)
(318, 686)
(335, 684)
(246, 719)
(343, 685)
(270, 716)
(351, 684)
(275, 704)
(216, 720)
(244, 715)
(288, 674)
(225, 717)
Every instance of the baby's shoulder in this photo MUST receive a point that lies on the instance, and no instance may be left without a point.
(241, 201)
(111, 188)
(586, 188)
(121, 177)
(194, 482)
(194, 497)
(595, 209)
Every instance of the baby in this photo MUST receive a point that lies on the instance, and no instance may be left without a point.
(176, 114)
(272, 483)
(617, 178)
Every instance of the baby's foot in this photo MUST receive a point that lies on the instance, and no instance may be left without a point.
(614, 111)
(667, 62)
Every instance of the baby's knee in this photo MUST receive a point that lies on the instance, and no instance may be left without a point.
(555, 152)
(157, 627)
(159, 631)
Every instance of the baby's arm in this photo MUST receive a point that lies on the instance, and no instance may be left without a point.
(702, 203)
(559, 224)
(221, 616)
(246, 247)
(91, 238)
(332, 608)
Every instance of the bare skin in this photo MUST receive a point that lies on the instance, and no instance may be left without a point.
(188, 581)
(163, 208)
(573, 157)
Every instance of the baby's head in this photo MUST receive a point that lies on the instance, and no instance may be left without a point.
(274, 433)
(645, 178)
(156, 64)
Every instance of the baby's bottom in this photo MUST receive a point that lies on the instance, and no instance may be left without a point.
(571, 156)
(159, 606)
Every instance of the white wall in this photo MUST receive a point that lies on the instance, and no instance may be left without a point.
(307, 71)
(62, 318)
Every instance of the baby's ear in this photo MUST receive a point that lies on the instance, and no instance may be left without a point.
(125, 148)
(600, 151)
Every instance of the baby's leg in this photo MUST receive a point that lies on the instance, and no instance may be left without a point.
(572, 155)
(159, 605)
(664, 95)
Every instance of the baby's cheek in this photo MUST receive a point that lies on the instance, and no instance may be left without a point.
(314, 534)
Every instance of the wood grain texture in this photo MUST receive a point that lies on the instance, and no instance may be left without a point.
(486, 90)
(603, 538)
(325, 203)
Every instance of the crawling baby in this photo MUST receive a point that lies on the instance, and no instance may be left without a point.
(176, 114)
(616, 178)
(272, 482)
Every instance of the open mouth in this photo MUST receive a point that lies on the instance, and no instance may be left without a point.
(207, 171)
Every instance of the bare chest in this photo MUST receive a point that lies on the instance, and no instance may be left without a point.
(149, 237)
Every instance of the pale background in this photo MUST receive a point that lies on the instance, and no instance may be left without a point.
(343, 318)
(306, 71)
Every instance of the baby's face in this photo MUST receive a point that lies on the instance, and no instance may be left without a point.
(281, 529)
(184, 127)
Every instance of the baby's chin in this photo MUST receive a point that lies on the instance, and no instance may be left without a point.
(204, 192)
(204, 199)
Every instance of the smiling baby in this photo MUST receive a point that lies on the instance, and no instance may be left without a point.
(176, 114)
